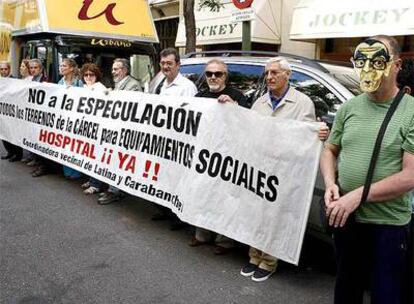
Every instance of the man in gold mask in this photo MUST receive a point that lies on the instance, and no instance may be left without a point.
(371, 237)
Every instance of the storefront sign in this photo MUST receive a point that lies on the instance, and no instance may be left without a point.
(214, 27)
(359, 18)
(130, 20)
(353, 18)
(110, 42)
(216, 30)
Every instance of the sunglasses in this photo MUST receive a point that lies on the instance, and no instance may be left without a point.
(89, 75)
(216, 74)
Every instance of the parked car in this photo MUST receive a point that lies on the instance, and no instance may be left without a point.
(327, 84)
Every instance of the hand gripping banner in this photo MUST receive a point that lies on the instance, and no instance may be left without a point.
(217, 166)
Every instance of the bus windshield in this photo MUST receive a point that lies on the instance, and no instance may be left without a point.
(53, 50)
(142, 67)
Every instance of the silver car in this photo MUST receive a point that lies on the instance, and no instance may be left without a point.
(327, 84)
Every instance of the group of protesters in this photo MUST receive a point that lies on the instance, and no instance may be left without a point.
(371, 233)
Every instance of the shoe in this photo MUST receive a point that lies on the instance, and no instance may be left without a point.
(220, 250)
(159, 217)
(194, 242)
(102, 194)
(261, 275)
(39, 172)
(85, 185)
(7, 156)
(32, 163)
(248, 270)
(26, 160)
(14, 158)
(109, 198)
(91, 190)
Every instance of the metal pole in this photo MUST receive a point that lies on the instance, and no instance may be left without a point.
(246, 36)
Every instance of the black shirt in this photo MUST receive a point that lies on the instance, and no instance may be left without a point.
(234, 94)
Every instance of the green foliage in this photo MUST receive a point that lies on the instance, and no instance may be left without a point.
(214, 5)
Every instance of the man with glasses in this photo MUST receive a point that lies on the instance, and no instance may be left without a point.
(122, 78)
(281, 101)
(216, 74)
(123, 81)
(371, 238)
(174, 84)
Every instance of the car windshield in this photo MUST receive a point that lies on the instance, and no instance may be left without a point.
(349, 82)
(345, 76)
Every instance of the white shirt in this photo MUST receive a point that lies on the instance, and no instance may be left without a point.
(28, 78)
(180, 86)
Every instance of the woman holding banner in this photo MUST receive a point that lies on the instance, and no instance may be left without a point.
(69, 70)
(91, 76)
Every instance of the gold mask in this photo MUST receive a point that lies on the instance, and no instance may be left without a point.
(372, 62)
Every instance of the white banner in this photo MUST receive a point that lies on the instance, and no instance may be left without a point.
(220, 167)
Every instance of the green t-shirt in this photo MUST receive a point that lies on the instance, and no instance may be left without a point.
(355, 131)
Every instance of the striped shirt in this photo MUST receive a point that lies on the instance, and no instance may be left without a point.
(355, 130)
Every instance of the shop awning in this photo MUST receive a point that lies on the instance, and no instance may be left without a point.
(130, 20)
(214, 27)
(315, 19)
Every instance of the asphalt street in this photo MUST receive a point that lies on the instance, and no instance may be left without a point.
(59, 246)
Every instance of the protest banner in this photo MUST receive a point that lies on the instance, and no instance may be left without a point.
(217, 166)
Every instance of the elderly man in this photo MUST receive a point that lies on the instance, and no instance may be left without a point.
(216, 74)
(5, 69)
(174, 84)
(14, 153)
(36, 70)
(42, 165)
(123, 81)
(371, 237)
(122, 78)
(281, 101)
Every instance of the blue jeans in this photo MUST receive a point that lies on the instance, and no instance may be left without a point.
(96, 183)
(72, 173)
(114, 190)
(375, 253)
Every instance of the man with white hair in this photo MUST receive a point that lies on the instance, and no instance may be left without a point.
(123, 81)
(281, 101)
